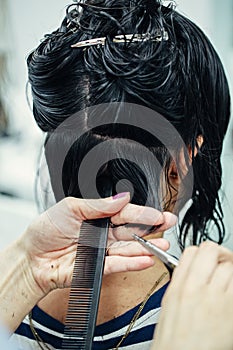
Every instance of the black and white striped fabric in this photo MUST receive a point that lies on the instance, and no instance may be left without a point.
(107, 335)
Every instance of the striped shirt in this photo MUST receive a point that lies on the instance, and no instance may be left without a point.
(107, 335)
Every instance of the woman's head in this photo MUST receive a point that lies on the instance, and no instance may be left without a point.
(179, 75)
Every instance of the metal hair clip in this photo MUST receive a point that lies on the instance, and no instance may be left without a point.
(159, 36)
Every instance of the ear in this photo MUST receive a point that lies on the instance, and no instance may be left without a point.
(199, 141)
(173, 173)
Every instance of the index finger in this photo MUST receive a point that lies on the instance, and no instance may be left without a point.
(86, 209)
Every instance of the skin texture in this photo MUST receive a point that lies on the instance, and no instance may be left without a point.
(41, 260)
(119, 288)
(197, 310)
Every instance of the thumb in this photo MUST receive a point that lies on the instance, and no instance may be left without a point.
(86, 209)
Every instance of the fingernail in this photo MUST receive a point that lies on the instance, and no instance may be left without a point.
(120, 195)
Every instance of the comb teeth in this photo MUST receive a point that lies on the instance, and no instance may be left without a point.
(86, 284)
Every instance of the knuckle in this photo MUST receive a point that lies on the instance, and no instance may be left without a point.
(118, 218)
(69, 202)
(190, 250)
(159, 218)
(208, 244)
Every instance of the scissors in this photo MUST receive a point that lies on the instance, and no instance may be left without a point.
(170, 261)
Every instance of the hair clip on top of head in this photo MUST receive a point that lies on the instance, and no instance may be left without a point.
(161, 35)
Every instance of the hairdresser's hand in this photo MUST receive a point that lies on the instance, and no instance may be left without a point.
(197, 310)
(51, 240)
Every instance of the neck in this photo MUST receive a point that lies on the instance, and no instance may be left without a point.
(120, 291)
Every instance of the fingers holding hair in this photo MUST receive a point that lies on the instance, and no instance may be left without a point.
(207, 265)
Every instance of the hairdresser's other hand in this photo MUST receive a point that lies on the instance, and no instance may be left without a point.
(197, 310)
(51, 240)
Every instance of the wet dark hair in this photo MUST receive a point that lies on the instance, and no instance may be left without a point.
(181, 78)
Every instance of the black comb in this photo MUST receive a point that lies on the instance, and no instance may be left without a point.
(86, 284)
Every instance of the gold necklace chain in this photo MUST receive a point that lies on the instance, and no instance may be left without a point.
(141, 307)
(40, 341)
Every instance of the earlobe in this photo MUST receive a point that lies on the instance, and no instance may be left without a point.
(199, 142)
(178, 171)
(173, 172)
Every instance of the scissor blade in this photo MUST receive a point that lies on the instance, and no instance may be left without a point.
(166, 258)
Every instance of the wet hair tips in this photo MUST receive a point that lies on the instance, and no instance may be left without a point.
(179, 76)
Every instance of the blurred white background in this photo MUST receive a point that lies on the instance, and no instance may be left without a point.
(22, 25)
